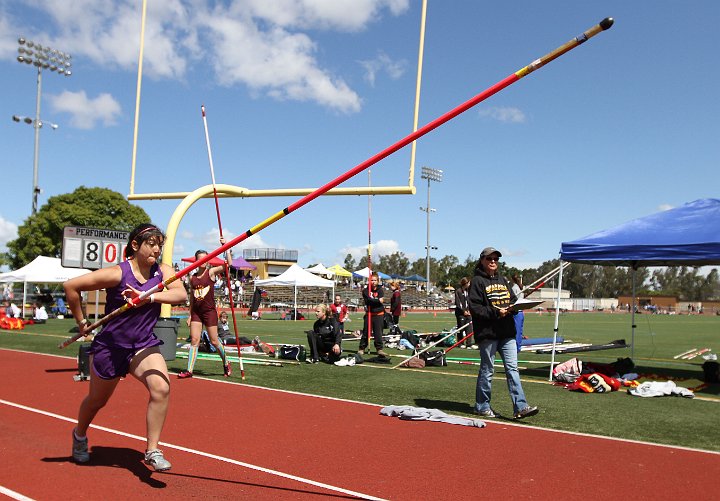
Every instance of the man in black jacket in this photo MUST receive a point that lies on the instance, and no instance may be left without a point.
(490, 299)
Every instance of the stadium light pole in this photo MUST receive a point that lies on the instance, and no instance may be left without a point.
(431, 175)
(42, 57)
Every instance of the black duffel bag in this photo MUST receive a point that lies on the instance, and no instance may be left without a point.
(434, 358)
(292, 352)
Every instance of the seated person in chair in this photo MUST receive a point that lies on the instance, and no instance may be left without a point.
(59, 308)
(226, 335)
(325, 338)
(14, 311)
(40, 316)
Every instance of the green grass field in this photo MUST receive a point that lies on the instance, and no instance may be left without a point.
(666, 420)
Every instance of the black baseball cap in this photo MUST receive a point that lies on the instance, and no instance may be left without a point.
(490, 250)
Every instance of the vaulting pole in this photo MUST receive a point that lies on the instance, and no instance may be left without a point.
(543, 280)
(557, 322)
(509, 80)
(454, 330)
(368, 323)
(227, 268)
(461, 340)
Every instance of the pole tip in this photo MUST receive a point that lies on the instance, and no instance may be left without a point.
(606, 23)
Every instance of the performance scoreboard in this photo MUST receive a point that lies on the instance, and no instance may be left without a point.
(93, 248)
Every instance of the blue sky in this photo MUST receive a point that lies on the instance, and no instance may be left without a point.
(299, 92)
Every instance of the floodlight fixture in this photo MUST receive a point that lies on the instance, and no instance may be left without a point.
(431, 175)
(42, 57)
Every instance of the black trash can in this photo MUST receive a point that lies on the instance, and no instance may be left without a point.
(166, 330)
(83, 362)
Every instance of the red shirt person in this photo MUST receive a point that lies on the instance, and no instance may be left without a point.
(340, 312)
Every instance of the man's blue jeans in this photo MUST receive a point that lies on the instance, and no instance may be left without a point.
(508, 352)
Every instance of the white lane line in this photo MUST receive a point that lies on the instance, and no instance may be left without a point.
(199, 453)
(14, 495)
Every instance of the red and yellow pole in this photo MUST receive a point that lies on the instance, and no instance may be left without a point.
(603, 25)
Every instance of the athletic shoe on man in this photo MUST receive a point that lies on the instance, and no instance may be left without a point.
(381, 353)
(184, 375)
(487, 413)
(526, 412)
(227, 369)
(156, 459)
(80, 452)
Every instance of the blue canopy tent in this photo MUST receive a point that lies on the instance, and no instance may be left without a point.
(684, 236)
(416, 278)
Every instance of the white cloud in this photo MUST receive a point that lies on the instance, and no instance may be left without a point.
(664, 207)
(108, 33)
(178, 249)
(506, 114)
(8, 37)
(266, 46)
(8, 231)
(345, 15)
(380, 248)
(85, 112)
(276, 62)
(394, 69)
(211, 241)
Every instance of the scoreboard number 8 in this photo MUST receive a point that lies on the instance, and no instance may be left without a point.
(91, 257)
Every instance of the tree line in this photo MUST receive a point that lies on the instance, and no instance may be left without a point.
(582, 280)
(42, 233)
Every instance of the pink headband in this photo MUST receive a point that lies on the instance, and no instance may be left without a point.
(149, 228)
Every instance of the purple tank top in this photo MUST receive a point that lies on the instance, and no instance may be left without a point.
(133, 328)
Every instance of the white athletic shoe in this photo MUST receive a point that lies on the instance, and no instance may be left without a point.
(156, 459)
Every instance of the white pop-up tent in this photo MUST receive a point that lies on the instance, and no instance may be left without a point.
(41, 270)
(296, 277)
(319, 269)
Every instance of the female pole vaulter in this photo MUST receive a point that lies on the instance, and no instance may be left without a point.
(127, 345)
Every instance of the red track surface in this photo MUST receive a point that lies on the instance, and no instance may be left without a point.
(342, 444)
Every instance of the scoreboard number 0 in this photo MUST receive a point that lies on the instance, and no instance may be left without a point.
(110, 254)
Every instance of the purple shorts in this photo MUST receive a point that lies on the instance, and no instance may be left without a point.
(111, 363)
